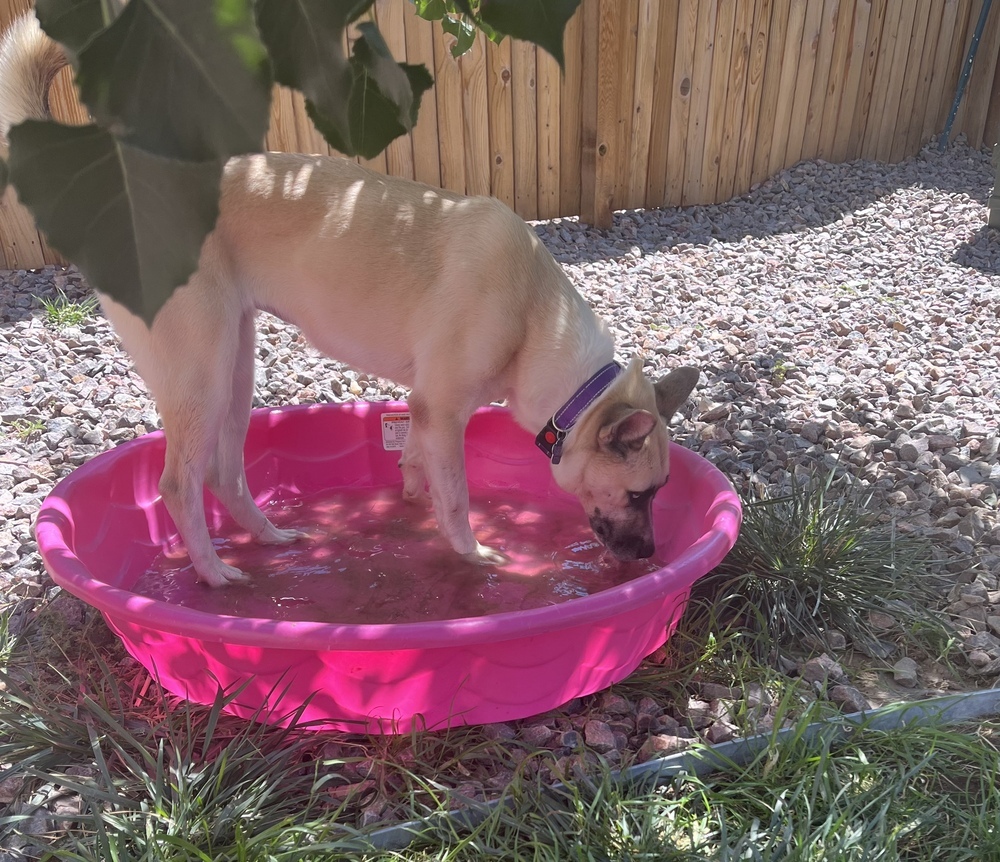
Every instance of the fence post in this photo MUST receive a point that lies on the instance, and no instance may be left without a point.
(600, 87)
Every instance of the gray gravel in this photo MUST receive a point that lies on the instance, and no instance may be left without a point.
(841, 315)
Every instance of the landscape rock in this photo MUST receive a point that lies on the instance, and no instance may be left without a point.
(904, 672)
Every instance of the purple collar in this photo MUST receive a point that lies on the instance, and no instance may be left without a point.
(550, 438)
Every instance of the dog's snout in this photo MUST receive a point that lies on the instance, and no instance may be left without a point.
(624, 546)
(601, 526)
(637, 548)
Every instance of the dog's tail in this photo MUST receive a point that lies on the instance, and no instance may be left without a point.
(29, 60)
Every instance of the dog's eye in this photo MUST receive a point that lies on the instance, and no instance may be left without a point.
(639, 498)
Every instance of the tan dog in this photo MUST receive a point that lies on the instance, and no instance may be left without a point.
(453, 296)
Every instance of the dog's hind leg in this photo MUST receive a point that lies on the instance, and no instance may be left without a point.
(226, 477)
(186, 359)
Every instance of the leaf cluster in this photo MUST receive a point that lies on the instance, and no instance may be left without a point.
(176, 88)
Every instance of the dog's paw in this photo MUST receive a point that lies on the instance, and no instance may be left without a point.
(420, 497)
(487, 556)
(272, 535)
(222, 575)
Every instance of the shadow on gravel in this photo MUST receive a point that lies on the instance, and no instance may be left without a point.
(806, 196)
(982, 252)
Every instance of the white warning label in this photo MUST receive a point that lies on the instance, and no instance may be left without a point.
(395, 427)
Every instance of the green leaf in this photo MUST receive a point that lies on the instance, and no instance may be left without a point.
(375, 61)
(73, 23)
(538, 21)
(187, 79)
(374, 120)
(304, 40)
(134, 222)
(464, 32)
(431, 10)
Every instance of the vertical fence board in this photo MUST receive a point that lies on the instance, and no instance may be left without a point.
(883, 74)
(601, 46)
(391, 17)
(721, 90)
(837, 80)
(525, 129)
(737, 98)
(680, 105)
(20, 242)
(854, 66)
(280, 135)
(786, 87)
(547, 73)
(638, 152)
(700, 102)
(663, 94)
(804, 73)
(570, 118)
(63, 101)
(895, 83)
(863, 106)
(624, 115)
(420, 50)
(11, 9)
(921, 95)
(756, 64)
(824, 76)
(475, 122)
(501, 124)
(767, 121)
(590, 20)
(448, 94)
(910, 112)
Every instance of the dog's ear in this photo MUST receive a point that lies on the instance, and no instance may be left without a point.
(627, 433)
(673, 389)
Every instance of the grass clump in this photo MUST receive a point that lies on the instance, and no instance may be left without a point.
(27, 429)
(814, 560)
(62, 312)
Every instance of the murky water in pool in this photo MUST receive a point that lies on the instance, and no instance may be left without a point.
(371, 558)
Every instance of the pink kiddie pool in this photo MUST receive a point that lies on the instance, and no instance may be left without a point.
(104, 528)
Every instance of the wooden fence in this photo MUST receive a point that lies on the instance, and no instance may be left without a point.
(662, 103)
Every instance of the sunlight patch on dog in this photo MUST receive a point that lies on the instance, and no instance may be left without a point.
(297, 182)
(259, 176)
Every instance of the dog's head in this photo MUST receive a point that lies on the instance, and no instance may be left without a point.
(616, 458)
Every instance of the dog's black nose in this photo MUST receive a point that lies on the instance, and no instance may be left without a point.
(636, 548)
(625, 548)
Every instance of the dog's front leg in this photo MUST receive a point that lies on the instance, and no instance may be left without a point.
(442, 440)
(182, 488)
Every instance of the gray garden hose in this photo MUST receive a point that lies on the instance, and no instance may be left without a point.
(948, 709)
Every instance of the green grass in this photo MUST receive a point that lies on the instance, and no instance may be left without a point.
(923, 793)
(154, 779)
(817, 559)
(62, 312)
(26, 429)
